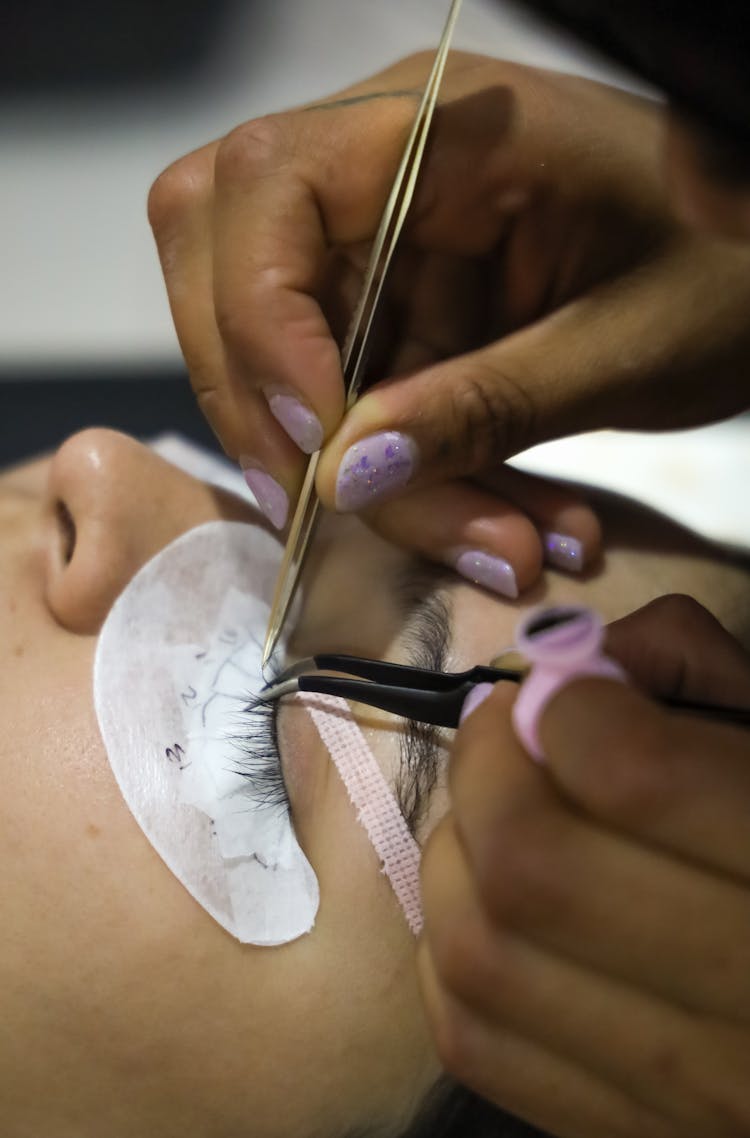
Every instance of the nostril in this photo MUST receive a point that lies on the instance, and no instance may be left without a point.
(67, 530)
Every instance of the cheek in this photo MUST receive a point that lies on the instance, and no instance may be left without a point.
(51, 759)
(112, 968)
(372, 1047)
(60, 810)
(81, 888)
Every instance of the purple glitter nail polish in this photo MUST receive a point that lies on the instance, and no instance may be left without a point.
(270, 496)
(373, 468)
(493, 573)
(299, 422)
(563, 551)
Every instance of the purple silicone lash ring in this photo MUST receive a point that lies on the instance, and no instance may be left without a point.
(561, 634)
(562, 643)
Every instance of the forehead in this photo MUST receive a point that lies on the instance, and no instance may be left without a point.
(352, 591)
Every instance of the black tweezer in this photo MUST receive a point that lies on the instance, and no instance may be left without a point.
(421, 694)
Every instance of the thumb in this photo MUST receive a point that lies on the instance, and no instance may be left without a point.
(631, 352)
(456, 419)
(674, 648)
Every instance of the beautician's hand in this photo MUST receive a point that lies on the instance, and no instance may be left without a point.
(586, 954)
(542, 288)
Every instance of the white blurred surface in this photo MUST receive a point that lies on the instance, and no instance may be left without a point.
(80, 281)
(699, 477)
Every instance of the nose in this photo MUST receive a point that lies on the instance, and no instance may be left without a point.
(115, 505)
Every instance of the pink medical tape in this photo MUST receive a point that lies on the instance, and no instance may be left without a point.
(372, 798)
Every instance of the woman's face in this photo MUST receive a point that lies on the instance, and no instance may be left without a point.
(125, 1008)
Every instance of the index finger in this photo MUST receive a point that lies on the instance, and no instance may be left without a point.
(294, 194)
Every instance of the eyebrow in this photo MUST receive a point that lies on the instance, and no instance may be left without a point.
(426, 637)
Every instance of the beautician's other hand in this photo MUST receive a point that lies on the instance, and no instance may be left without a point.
(586, 954)
(541, 288)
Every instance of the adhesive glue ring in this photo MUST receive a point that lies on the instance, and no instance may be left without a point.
(562, 644)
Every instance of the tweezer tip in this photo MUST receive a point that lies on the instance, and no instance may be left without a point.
(268, 649)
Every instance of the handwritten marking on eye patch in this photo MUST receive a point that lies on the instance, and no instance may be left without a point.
(176, 754)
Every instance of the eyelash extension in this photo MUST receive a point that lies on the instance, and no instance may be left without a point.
(259, 759)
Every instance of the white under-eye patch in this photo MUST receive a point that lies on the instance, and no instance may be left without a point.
(177, 660)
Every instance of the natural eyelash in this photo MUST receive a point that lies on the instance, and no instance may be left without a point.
(259, 759)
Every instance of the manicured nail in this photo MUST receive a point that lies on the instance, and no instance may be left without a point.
(373, 468)
(563, 551)
(299, 422)
(493, 573)
(477, 695)
(270, 496)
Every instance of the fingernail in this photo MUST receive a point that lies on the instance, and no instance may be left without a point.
(301, 424)
(493, 573)
(270, 496)
(563, 551)
(477, 695)
(373, 468)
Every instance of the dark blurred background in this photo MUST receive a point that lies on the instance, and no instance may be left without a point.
(96, 97)
(49, 46)
(38, 412)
